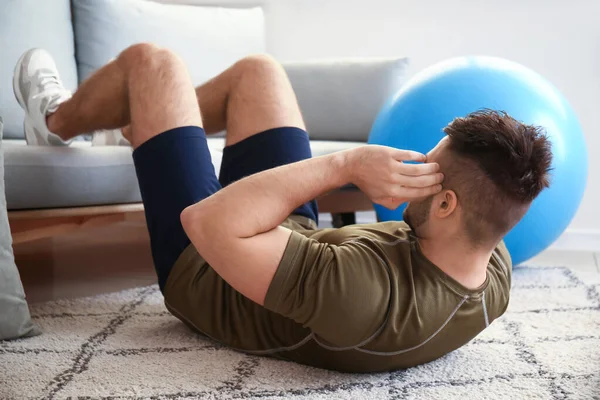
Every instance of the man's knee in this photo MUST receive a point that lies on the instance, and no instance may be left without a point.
(260, 65)
(147, 56)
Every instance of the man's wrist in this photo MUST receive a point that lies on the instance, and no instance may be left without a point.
(345, 165)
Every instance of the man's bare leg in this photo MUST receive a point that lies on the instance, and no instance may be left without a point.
(101, 102)
(251, 96)
(146, 86)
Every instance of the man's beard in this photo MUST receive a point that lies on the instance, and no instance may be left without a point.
(417, 213)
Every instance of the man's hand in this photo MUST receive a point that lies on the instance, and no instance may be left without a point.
(381, 173)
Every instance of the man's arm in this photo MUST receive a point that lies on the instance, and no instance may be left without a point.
(237, 229)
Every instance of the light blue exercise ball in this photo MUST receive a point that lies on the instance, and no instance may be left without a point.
(414, 118)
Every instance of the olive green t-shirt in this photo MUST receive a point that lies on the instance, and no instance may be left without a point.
(362, 298)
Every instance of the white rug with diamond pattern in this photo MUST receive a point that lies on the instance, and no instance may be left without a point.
(126, 346)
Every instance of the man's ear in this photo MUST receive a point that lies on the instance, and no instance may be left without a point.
(445, 203)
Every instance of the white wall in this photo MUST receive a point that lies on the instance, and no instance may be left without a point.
(558, 38)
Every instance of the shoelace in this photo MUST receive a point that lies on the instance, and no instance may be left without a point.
(52, 86)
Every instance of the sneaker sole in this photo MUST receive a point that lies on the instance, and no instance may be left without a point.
(17, 78)
(20, 100)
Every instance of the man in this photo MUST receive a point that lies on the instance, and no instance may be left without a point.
(239, 258)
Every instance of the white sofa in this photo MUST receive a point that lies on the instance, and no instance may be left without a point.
(339, 99)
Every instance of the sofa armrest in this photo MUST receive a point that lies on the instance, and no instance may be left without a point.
(340, 99)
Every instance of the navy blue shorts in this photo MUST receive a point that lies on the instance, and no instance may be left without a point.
(174, 171)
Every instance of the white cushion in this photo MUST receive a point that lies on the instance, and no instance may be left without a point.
(14, 314)
(209, 39)
(79, 175)
(340, 99)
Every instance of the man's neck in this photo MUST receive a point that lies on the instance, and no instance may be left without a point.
(457, 260)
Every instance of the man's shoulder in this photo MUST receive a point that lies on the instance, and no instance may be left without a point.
(501, 260)
(500, 280)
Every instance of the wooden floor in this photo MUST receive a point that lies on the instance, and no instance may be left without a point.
(86, 262)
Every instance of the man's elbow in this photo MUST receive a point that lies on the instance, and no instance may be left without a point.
(194, 221)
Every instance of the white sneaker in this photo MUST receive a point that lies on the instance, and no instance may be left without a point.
(39, 91)
(112, 137)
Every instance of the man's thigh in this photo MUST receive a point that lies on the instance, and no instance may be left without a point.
(265, 150)
(174, 171)
(262, 98)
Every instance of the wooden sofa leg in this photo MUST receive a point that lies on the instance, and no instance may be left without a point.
(339, 220)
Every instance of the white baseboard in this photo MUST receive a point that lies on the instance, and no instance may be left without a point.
(578, 240)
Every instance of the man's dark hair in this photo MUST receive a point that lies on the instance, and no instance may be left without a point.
(496, 165)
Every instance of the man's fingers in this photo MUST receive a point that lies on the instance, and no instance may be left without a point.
(418, 169)
(421, 180)
(408, 155)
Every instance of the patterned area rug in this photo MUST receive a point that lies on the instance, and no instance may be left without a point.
(126, 346)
